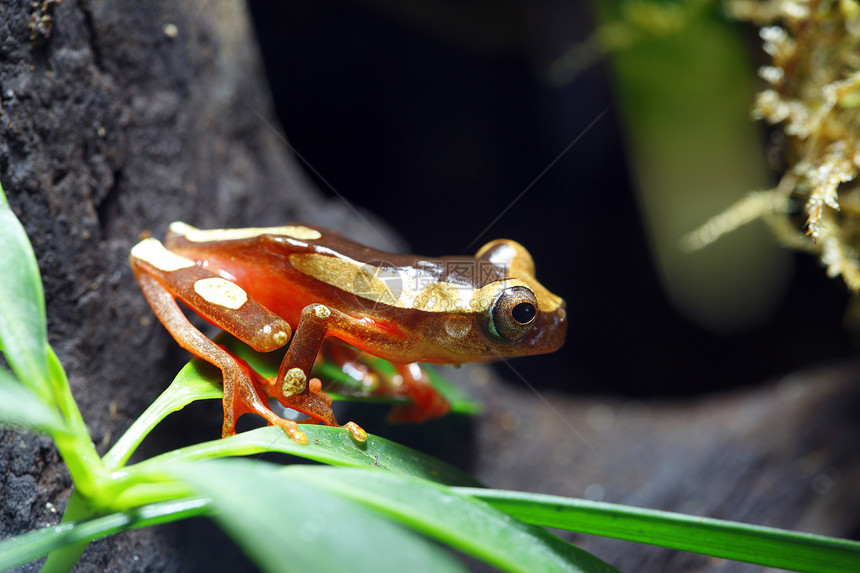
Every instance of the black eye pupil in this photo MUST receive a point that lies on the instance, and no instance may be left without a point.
(523, 312)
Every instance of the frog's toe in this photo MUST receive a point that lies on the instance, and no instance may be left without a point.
(357, 432)
(297, 435)
(228, 430)
(315, 388)
(315, 404)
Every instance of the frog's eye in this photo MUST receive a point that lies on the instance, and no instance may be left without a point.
(513, 313)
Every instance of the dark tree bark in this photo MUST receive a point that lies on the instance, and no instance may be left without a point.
(115, 119)
(119, 117)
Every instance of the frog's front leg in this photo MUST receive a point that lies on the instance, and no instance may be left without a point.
(292, 387)
(319, 321)
(165, 276)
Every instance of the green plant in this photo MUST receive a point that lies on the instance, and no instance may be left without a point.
(378, 494)
(812, 98)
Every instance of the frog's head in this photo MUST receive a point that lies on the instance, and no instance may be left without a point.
(523, 317)
(505, 312)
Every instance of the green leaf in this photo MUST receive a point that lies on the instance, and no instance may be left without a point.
(284, 524)
(454, 519)
(197, 380)
(683, 92)
(22, 407)
(62, 559)
(66, 401)
(327, 445)
(31, 546)
(22, 306)
(23, 337)
(729, 540)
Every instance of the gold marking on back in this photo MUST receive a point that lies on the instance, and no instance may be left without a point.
(196, 235)
(153, 252)
(221, 292)
(399, 287)
(346, 274)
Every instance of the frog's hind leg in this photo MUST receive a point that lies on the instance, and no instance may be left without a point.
(349, 360)
(410, 381)
(241, 394)
(314, 403)
(427, 403)
(252, 399)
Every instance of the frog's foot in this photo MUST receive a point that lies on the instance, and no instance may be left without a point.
(243, 394)
(315, 404)
(426, 404)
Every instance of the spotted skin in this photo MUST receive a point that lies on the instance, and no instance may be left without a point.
(259, 283)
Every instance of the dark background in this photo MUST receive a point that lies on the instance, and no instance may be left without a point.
(436, 129)
(432, 116)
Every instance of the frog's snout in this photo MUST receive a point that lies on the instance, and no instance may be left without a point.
(560, 327)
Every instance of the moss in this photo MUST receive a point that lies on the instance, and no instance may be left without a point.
(814, 98)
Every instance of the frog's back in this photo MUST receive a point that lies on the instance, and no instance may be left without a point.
(286, 267)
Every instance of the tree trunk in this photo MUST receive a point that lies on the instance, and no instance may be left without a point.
(115, 119)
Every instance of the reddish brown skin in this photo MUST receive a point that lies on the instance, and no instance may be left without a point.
(282, 297)
(261, 266)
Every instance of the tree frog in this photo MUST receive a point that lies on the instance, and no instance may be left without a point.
(259, 284)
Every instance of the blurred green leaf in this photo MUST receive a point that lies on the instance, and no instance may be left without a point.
(327, 445)
(22, 407)
(62, 559)
(22, 306)
(461, 402)
(458, 520)
(729, 540)
(19, 550)
(684, 86)
(284, 524)
(23, 337)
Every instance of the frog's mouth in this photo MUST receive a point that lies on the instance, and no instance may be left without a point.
(547, 334)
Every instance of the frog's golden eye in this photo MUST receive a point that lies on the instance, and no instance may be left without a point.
(513, 313)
